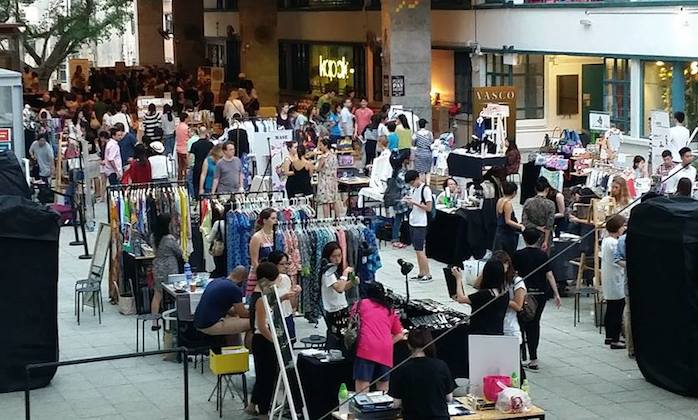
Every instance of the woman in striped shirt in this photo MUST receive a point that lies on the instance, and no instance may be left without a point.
(151, 124)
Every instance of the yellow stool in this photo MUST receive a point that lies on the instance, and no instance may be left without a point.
(234, 360)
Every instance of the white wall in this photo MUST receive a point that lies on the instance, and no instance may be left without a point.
(328, 26)
(443, 78)
(642, 31)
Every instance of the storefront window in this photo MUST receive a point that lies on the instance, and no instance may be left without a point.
(315, 68)
(617, 92)
(528, 76)
(657, 89)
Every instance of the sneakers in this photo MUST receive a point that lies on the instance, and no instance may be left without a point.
(423, 279)
(618, 346)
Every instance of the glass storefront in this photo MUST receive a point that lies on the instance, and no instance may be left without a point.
(315, 68)
(658, 89)
(617, 92)
(528, 76)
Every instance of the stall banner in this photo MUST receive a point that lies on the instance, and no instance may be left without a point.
(659, 129)
(73, 64)
(503, 95)
(5, 139)
(275, 141)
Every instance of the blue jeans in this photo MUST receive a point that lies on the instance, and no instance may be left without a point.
(169, 144)
(397, 224)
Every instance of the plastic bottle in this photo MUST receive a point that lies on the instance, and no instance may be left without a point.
(514, 380)
(343, 396)
(525, 387)
(187, 273)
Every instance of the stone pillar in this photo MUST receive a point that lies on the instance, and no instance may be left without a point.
(188, 27)
(406, 36)
(151, 45)
(259, 47)
(678, 87)
(637, 120)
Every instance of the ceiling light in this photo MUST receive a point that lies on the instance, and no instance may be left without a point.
(660, 63)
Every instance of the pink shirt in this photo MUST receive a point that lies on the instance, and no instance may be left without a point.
(378, 326)
(182, 136)
(112, 157)
(363, 119)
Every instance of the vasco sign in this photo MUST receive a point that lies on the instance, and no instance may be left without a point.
(335, 69)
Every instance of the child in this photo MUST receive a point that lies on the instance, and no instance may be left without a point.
(613, 282)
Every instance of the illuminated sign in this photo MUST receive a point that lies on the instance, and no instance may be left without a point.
(335, 69)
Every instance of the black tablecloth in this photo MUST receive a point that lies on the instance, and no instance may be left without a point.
(472, 166)
(321, 382)
(455, 237)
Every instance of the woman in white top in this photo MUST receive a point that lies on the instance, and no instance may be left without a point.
(168, 123)
(288, 290)
(333, 286)
(158, 163)
(233, 106)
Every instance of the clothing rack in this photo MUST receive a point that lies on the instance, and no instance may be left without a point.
(141, 186)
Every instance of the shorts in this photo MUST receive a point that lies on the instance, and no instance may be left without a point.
(418, 235)
(367, 370)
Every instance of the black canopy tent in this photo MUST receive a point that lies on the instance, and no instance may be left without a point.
(662, 257)
(29, 259)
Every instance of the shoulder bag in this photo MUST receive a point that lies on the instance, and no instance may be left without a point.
(528, 312)
(351, 335)
(217, 246)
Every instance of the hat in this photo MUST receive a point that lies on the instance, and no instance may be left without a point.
(157, 147)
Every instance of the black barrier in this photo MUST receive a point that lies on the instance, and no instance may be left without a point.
(179, 350)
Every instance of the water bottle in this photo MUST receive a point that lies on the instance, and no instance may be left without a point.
(514, 380)
(343, 396)
(187, 273)
(525, 387)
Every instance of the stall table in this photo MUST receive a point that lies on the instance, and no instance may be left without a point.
(351, 187)
(473, 166)
(321, 395)
(533, 413)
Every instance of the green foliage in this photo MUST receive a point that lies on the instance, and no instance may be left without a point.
(60, 32)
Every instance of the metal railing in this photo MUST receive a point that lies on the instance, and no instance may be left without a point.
(33, 366)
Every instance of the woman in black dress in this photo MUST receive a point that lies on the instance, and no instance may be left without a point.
(298, 171)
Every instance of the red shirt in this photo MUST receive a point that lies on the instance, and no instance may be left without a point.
(138, 173)
(378, 326)
(363, 119)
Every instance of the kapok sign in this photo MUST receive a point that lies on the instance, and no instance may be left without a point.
(335, 69)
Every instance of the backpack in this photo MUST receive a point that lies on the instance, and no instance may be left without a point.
(430, 214)
(393, 192)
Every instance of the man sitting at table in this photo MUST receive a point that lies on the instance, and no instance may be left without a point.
(221, 311)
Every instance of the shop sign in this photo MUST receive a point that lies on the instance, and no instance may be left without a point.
(500, 95)
(398, 85)
(335, 69)
(599, 121)
(5, 139)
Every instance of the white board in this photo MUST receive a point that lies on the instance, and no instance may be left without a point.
(599, 121)
(491, 355)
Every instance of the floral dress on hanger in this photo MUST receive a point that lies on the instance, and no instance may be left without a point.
(327, 188)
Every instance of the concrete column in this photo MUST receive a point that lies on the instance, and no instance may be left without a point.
(636, 94)
(151, 45)
(678, 87)
(259, 47)
(188, 27)
(406, 34)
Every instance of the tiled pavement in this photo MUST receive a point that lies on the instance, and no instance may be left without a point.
(580, 378)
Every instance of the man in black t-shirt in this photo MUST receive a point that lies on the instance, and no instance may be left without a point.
(540, 282)
(200, 149)
(221, 311)
(423, 386)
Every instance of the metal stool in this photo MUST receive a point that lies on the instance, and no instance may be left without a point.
(314, 342)
(143, 318)
(224, 366)
(590, 290)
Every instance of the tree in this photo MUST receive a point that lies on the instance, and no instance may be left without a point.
(60, 31)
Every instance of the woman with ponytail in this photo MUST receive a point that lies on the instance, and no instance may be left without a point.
(261, 244)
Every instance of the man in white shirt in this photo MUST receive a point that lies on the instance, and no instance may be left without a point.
(158, 163)
(346, 120)
(122, 117)
(683, 170)
(421, 201)
(678, 135)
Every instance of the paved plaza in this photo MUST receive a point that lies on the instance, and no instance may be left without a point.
(579, 377)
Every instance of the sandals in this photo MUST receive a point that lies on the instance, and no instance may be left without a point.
(398, 245)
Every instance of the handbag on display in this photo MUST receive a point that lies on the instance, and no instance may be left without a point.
(217, 247)
(351, 334)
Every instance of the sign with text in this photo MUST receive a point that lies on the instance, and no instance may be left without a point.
(501, 95)
(397, 85)
(334, 69)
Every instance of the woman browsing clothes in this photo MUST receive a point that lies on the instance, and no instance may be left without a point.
(335, 281)
(298, 171)
(506, 236)
(261, 244)
(166, 261)
(327, 186)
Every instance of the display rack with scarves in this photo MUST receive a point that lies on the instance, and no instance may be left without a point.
(132, 210)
